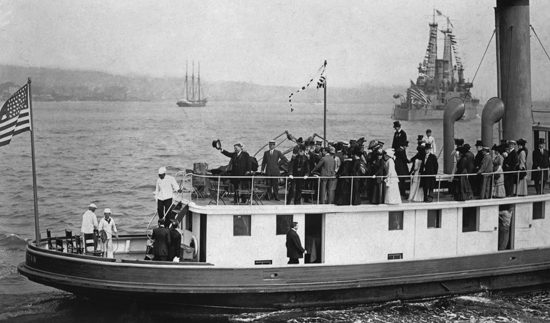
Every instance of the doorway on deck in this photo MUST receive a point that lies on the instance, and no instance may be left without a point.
(506, 224)
(314, 238)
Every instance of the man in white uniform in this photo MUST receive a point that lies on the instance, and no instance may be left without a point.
(164, 192)
(89, 223)
(107, 224)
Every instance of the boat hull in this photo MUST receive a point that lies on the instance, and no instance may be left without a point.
(429, 114)
(192, 104)
(265, 288)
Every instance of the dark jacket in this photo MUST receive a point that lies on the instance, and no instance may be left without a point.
(299, 166)
(511, 161)
(162, 239)
(540, 159)
(294, 247)
(270, 162)
(401, 162)
(470, 166)
(175, 244)
(399, 139)
(240, 164)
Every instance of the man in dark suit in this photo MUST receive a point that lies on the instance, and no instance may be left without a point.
(240, 166)
(174, 249)
(299, 167)
(399, 137)
(477, 163)
(510, 162)
(429, 167)
(541, 164)
(161, 236)
(401, 166)
(270, 165)
(294, 249)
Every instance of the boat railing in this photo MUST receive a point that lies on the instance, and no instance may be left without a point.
(257, 182)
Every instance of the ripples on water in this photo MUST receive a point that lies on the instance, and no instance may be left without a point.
(109, 153)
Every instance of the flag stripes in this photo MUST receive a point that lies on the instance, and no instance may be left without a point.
(15, 115)
(418, 95)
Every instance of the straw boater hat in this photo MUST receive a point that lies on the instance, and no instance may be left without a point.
(511, 142)
(272, 142)
(162, 170)
(373, 144)
(107, 211)
(240, 144)
(92, 205)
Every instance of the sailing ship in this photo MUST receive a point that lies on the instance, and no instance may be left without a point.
(436, 83)
(193, 90)
(356, 253)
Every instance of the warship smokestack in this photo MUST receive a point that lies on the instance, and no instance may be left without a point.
(514, 53)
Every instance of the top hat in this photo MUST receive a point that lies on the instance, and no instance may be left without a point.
(541, 141)
(217, 144)
(397, 124)
(479, 143)
(428, 146)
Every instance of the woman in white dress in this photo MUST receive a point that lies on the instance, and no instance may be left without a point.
(393, 196)
(416, 193)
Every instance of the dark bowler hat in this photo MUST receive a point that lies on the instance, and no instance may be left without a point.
(217, 144)
(420, 137)
(479, 143)
(397, 124)
(541, 141)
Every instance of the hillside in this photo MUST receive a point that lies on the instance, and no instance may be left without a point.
(60, 84)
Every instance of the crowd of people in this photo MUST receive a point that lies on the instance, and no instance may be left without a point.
(380, 175)
(503, 175)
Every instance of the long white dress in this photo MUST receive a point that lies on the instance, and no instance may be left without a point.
(393, 196)
(416, 193)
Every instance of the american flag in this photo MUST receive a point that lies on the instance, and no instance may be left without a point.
(15, 115)
(418, 95)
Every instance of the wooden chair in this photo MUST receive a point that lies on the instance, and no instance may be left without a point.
(78, 245)
(310, 193)
(69, 241)
(59, 244)
(50, 244)
(90, 241)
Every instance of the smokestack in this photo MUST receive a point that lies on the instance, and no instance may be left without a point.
(492, 113)
(513, 46)
(454, 110)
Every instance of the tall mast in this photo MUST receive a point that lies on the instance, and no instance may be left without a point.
(193, 82)
(186, 83)
(199, 81)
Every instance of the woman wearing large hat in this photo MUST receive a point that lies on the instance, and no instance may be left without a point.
(540, 166)
(520, 188)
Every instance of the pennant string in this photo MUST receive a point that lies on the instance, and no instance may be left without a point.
(320, 84)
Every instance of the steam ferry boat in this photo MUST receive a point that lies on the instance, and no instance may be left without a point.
(356, 254)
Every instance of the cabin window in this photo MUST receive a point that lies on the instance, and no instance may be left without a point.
(538, 210)
(396, 220)
(395, 256)
(241, 225)
(434, 218)
(469, 219)
(283, 223)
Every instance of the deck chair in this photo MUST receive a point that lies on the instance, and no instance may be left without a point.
(90, 241)
(69, 240)
(50, 245)
(310, 194)
(78, 244)
(59, 244)
(199, 188)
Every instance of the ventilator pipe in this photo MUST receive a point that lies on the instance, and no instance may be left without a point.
(493, 111)
(454, 110)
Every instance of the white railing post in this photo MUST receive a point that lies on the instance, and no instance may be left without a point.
(218, 197)
(438, 187)
(351, 192)
(318, 188)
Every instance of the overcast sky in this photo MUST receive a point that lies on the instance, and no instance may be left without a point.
(266, 42)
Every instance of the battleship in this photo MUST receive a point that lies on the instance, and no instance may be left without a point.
(436, 83)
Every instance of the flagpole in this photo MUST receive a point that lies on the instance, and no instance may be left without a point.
(325, 112)
(34, 185)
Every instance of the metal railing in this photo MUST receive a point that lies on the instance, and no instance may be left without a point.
(253, 179)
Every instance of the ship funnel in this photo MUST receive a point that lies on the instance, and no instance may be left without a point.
(454, 110)
(493, 111)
